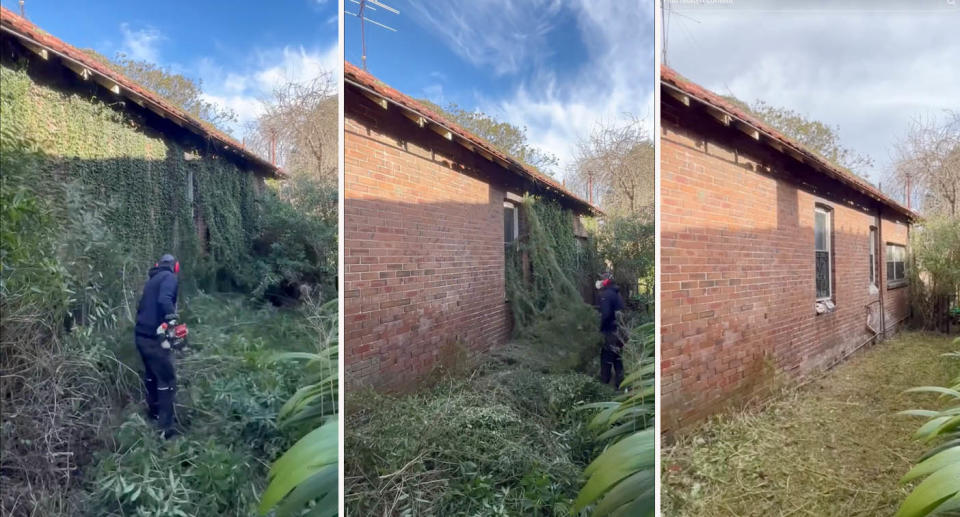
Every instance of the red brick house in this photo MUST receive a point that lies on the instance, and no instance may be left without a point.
(427, 210)
(774, 261)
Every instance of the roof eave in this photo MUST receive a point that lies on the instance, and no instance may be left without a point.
(445, 130)
(122, 86)
(783, 145)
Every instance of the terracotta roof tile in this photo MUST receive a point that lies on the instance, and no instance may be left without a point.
(354, 74)
(670, 77)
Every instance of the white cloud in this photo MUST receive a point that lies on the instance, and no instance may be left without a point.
(615, 84)
(141, 44)
(502, 36)
(244, 91)
(511, 38)
(868, 73)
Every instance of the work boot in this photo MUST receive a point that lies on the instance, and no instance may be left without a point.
(150, 389)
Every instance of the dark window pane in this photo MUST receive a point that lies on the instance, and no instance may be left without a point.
(823, 274)
(890, 271)
(508, 235)
(900, 271)
(820, 231)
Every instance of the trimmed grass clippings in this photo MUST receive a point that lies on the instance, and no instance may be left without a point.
(834, 446)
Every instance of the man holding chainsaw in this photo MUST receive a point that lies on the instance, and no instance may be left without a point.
(156, 335)
(610, 303)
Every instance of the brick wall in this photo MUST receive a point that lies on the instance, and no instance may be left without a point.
(737, 269)
(423, 249)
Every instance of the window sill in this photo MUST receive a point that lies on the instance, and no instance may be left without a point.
(825, 306)
(896, 285)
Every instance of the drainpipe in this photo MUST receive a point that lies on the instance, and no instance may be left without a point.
(881, 272)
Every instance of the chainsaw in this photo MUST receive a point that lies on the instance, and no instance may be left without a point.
(172, 335)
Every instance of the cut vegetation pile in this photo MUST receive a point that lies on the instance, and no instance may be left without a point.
(507, 440)
(833, 447)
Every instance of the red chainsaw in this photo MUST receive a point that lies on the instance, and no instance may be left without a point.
(174, 336)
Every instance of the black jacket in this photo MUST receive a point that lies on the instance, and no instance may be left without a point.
(159, 299)
(610, 303)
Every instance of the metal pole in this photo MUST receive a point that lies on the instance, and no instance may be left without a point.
(363, 37)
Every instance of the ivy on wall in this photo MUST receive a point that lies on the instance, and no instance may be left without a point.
(156, 190)
(543, 267)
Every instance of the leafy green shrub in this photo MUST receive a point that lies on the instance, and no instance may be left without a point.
(935, 271)
(939, 492)
(627, 243)
(297, 241)
(229, 392)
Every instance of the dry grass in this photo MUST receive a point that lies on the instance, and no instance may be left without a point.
(832, 447)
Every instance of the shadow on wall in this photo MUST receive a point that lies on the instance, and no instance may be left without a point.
(424, 284)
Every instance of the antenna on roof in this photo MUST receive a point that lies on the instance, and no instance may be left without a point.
(364, 5)
(663, 32)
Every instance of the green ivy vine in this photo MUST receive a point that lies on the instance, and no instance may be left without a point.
(156, 189)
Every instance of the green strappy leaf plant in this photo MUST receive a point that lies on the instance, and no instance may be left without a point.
(939, 491)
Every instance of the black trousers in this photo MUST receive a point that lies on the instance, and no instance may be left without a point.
(610, 360)
(159, 380)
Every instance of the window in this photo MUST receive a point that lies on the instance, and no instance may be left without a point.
(873, 256)
(896, 265)
(510, 223)
(823, 255)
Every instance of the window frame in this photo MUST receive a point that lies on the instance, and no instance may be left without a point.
(901, 249)
(516, 222)
(828, 229)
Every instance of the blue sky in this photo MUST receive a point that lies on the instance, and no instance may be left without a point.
(555, 66)
(239, 49)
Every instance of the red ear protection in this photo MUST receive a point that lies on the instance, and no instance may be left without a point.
(606, 282)
(155, 264)
(176, 267)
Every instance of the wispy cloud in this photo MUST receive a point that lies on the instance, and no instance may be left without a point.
(141, 44)
(244, 91)
(614, 84)
(499, 35)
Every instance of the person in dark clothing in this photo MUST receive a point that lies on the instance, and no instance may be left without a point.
(610, 303)
(158, 305)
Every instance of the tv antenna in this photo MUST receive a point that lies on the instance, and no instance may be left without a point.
(361, 13)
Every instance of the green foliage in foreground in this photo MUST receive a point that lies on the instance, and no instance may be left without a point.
(939, 491)
(308, 471)
(621, 480)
